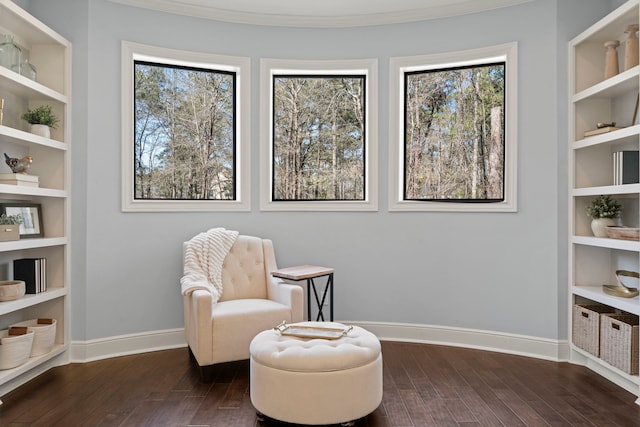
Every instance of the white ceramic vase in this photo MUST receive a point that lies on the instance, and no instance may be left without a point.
(41, 130)
(599, 226)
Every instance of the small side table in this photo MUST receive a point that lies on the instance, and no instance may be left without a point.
(310, 272)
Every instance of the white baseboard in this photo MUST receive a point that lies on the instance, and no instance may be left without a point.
(523, 345)
(540, 348)
(122, 345)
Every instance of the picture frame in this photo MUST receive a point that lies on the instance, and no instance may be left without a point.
(31, 214)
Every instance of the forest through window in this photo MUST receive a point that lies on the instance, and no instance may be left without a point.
(184, 136)
(318, 137)
(454, 147)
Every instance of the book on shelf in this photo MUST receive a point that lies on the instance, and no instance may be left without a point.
(33, 271)
(625, 167)
(599, 131)
(19, 179)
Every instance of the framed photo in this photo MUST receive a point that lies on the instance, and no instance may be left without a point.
(31, 214)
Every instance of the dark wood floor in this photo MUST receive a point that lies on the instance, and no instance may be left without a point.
(424, 385)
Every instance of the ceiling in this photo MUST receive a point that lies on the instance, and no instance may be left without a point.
(320, 13)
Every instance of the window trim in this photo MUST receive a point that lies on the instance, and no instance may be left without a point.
(367, 67)
(242, 67)
(398, 66)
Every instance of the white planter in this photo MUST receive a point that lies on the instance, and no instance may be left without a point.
(41, 130)
(599, 226)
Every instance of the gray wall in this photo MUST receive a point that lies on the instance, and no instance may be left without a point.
(503, 272)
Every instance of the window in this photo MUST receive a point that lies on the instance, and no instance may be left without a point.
(185, 131)
(453, 138)
(318, 148)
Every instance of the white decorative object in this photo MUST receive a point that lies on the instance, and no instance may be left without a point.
(14, 349)
(611, 58)
(44, 334)
(11, 290)
(599, 226)
(41, 130)
(631, 47)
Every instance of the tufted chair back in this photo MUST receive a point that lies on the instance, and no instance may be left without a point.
(244, 272)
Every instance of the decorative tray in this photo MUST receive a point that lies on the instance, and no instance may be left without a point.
(626, 233)
(304, 331)
(622, 290)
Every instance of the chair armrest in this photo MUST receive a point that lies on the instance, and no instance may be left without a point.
(198, 326)
(287, 294)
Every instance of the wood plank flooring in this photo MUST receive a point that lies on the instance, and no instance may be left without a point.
(424, 385)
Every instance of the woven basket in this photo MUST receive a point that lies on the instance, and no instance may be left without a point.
(586, 326)
(619, 341)
(44, 334)
(14, 349)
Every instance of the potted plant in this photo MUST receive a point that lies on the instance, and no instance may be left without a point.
(42, 120)
(603, 210)
(10, 227)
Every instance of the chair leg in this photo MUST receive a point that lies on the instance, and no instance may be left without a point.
(207, 373)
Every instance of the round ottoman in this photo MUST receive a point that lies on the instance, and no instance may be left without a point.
(316, 381)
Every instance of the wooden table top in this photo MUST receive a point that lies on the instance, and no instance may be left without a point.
(300, 272)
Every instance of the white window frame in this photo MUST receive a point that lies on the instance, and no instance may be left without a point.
(367, 67)
(242, 67)
(401, 65)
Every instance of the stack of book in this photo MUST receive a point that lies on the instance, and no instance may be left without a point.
(33, 271)
(625, 167)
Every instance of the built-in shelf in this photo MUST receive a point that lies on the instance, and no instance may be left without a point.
(51, 55)
(30, 300)
(19, 137)
(597, 100)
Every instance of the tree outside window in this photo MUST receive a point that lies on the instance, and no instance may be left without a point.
(318, 138)
(185, 130)
(184, 142)
(454, 134)
(453, 127)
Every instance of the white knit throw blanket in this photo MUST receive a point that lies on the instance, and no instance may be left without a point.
(204, 255)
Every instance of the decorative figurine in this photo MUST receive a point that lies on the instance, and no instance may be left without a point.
(631, 47)
(611, 59)
(18, 165)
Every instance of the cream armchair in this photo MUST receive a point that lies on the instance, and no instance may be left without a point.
(251, 301)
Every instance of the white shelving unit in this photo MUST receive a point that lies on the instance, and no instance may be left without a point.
(594, 99)
(51, 55)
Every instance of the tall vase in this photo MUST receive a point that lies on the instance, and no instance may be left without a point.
(599, 226)
(611, 59)
(631, 47)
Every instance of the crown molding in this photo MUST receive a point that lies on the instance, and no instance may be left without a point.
(320, 14)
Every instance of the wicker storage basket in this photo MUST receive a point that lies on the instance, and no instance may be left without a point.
(586, 326)
(14, 349)
(619, 341)
(44, 335)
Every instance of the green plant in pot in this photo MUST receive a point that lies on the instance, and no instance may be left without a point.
(10, 227)
(42, 120)
(603, 211)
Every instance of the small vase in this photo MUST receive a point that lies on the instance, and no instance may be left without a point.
(611, 59)
(10, 52)
(599, 226)
(41, 130)
(631, 47)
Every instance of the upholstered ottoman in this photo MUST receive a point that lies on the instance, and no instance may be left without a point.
(316, 381)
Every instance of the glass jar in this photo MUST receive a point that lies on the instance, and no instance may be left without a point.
(26, 69)
(10, 52)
